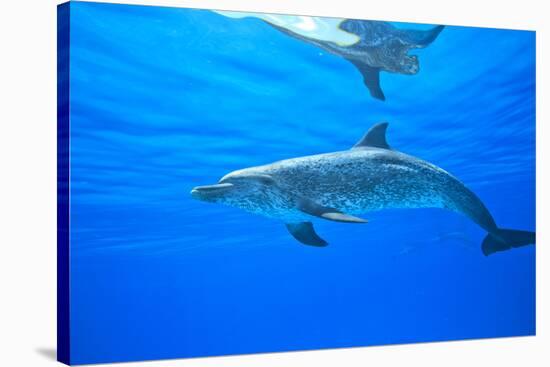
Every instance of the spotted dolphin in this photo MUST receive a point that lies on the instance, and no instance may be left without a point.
(380, 47)
(340, 186)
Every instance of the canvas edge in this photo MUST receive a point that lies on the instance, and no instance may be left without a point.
(63, 176)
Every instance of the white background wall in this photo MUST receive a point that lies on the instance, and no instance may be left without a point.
(28, 182)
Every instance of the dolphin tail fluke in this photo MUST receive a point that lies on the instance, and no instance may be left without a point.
(505, 239)
(371, 78)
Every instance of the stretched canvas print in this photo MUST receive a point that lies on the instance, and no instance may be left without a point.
(233, 183)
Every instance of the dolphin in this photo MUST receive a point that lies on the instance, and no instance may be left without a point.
(341, 185)
(380, 47)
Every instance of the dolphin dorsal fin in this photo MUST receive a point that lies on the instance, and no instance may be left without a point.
(375, 137)
(421, 38)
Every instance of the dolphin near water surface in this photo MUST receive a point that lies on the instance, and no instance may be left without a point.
(380, 47)
(341, 185)
(371, 46)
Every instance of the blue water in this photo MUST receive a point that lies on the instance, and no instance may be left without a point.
(166, 99)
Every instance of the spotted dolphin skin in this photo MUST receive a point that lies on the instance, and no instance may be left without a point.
(380, 47)
(339, 186)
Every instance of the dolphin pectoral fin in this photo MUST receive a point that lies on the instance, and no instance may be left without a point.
(305, 233)
(312, 208)
(341, 217)
(371, 78)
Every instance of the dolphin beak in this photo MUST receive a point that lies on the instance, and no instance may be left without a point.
(210, 191)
